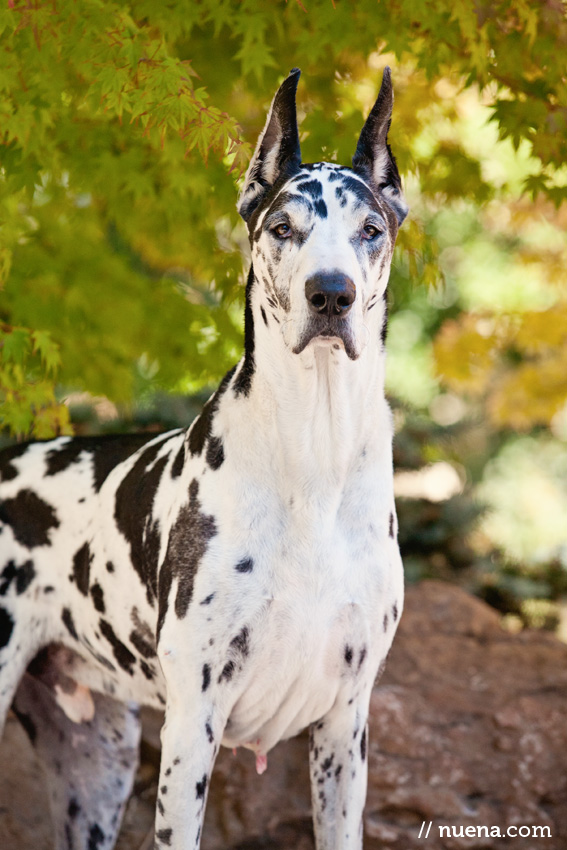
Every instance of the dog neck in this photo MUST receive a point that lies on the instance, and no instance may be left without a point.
(310, 415)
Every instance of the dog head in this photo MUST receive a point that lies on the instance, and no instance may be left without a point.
(322, 235)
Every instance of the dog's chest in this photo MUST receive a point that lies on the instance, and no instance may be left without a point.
(311, 610)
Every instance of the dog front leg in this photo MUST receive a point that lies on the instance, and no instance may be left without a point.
(190, 740)
(338, 770)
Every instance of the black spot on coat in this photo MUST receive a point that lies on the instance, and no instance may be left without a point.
(82, 560)
(121, 652)
(96, 837)
(363, 745)
(132, 512)
(164, 835)
(227, 671)
(21, 576)
(245, 566)
(348, 654)
(177, 466)
(188, 542)
(7, 469)
(202, 427)
(201, 787)
(97, 596)
(6, 627)
(206, 677)
(107, 451)
(215, 452)
(240, 642)
(68, 622)
(144, 647)
(29, 517)
(391, 528)
(243, 380)
(395, 611)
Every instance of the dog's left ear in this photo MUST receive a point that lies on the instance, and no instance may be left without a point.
(277, 152)
(373, 158)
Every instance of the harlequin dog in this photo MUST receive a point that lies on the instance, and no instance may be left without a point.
(244, 574)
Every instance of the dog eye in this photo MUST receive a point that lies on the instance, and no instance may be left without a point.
(370, 232)
(282, 231)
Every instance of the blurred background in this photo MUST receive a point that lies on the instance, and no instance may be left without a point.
(125, 129)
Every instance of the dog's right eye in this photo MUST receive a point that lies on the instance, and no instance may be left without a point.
(282, 231)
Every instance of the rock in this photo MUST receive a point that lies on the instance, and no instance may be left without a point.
(468, 729)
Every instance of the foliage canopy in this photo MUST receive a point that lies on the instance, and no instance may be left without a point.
(124, 127)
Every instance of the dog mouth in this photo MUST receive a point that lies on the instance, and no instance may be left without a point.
(327, 331)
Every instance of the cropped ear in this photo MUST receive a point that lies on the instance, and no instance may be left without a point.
(373, 158)
(277, 152)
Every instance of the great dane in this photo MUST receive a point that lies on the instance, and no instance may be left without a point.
(243, 574)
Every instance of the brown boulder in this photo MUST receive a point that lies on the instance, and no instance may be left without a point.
(468, 729)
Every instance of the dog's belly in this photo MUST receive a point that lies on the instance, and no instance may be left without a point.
(297, 671)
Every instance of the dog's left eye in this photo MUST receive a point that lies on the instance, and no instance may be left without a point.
(283, 230)
(369, 232)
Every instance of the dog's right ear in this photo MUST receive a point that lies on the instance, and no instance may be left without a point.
(277, 152)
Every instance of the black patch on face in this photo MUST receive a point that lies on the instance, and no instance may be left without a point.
(132, 512)
(21, 576)
(215, 452)
(206, 678)
(177, 466)
(340, 194)
(6, 627)
(265, 318)
(96, 837)
(363, 745)
(164, 835)
(97, 596)
(121, 652)
(245, 566)
(385, 623)
(348, 655)
(243, 381)
(188, 542)
(312, 187)
(395, 611)
(7, 470)
(29, 517)
(82, 560)
(201, 787)
(320, 208)
(391, 529)
(69, 624)
(360, 191)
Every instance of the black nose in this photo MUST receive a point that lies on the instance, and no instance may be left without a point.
(330, 293)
